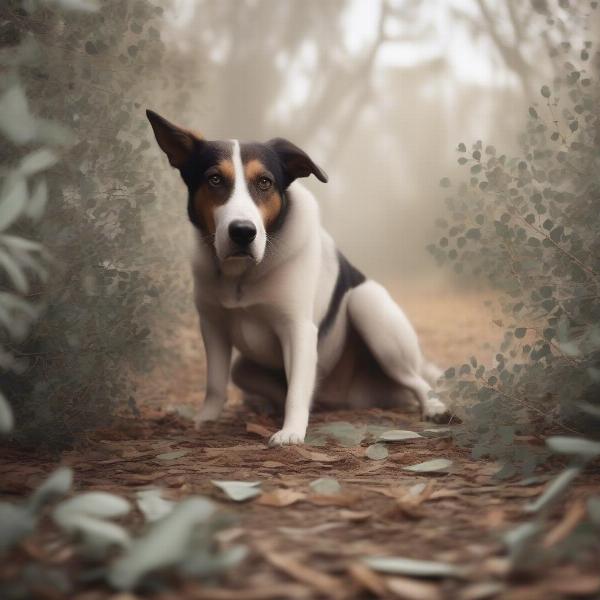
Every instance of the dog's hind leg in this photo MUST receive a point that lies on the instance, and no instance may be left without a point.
(264, 389)
(391, 338)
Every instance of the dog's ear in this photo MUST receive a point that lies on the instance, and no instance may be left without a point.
(175, 142)
(295, 162)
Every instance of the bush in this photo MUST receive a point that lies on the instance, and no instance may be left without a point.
(528, 226)
(95, 72)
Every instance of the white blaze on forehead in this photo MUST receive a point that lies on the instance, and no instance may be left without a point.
(240, 204)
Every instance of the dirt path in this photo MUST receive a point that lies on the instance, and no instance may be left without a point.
(314, 547)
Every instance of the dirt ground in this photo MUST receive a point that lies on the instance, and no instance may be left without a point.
(314, 547)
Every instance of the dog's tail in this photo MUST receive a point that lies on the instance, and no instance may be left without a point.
(431, 372)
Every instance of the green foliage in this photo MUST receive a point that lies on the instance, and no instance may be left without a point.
(181, 539)
(528, 226)
(95, 72)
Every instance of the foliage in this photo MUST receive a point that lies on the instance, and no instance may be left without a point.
(181, 539)
(528, 226)
(95, 72)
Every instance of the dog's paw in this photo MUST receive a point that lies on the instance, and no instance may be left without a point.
(287, 437)
(436, 411)
(208, 414)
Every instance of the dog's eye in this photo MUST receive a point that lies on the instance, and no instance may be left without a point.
(264, 183)
(215, 180)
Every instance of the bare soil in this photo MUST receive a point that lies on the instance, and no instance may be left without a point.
(313, 547)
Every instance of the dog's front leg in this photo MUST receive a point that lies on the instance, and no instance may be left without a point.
(218, 361)
(299, 344)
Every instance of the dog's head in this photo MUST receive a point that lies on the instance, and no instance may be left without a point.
(236, 190)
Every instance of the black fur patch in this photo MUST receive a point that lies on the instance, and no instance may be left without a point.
(348, 277)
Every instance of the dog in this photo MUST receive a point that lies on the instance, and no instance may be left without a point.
(270, 283)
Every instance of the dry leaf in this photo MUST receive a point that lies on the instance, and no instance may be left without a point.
(333, 499)
(571, 519)
(409, 589)
(280, 497)
(368, 579)
(326, 584)
(316, 456)
(259, 430)
(355, 515)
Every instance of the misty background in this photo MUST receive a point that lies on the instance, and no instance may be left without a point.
(378, 92)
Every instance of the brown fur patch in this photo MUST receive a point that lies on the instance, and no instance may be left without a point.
(269, 202)
(207, 198)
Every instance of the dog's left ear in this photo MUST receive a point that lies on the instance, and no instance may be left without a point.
(295, 162)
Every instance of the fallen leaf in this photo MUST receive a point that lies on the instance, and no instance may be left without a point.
(173, 455)
(333, 499)
(280, 497)
(316, 456)
(355, 515)
(260, 430)
(152, 505)
(367, 579)
(396, 565)
(409, 589)
(482, 591)
(571, 519)
(437, 465)
(326, 486)
(239, 490)
(377, 452)
(329, 586)
(398, 435)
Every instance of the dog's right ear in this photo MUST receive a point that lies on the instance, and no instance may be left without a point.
(177, 143)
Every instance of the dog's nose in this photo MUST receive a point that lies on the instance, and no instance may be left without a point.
(242, 232)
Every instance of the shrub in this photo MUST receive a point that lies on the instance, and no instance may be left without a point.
(528, 226)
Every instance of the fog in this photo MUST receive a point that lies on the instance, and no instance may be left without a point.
(379, 93)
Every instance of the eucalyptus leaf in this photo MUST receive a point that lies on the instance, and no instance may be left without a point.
(153, 505)
(239, 490)
(97, 534)
(430, 466)
(398, 435)
(573, 445)
(205, 564)
(6, 415)
(326, 486)
(554, 489)
(519, 539)
(16, 523)
(38, 160)
(16, 122)
(167, 543)
(94, 504)
(396, 565)
(58, 484)
(12, 201)
(377, 452)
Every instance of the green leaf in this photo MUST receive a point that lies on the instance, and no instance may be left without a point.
(396, 565)
(377, 452)
(326, 486)
(436, 465)
(58, 484)
(239, 490)
(152, 505)
(12, 201)
(16, 122)
(398, 435)
(168, 542)
(520, 332)
(555, 489)
(573, 446)
(38, 160)
(93, 504)
(545, 91)
(6, 415)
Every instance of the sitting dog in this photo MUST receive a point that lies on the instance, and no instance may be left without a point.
(270, 282)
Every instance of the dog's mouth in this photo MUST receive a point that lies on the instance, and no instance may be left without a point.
(240, 254)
